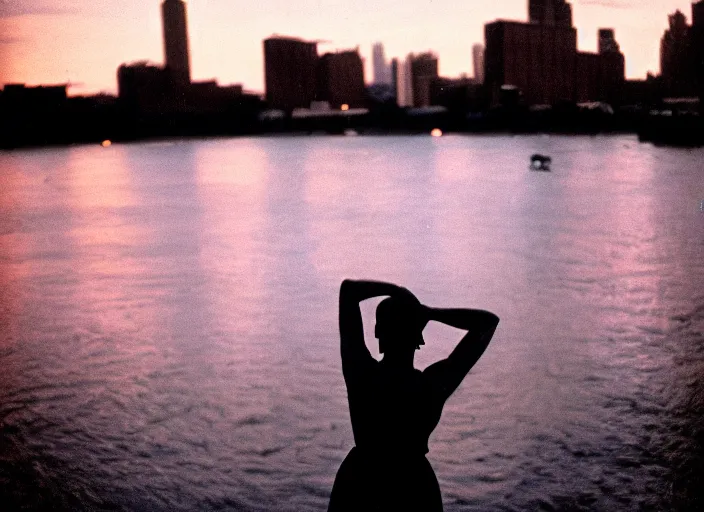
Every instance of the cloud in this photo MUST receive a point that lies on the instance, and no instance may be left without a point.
(13, 8)
(9, 40)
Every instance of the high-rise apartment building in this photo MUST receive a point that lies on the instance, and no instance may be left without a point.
(541, 59)
(537, 59)
(550, 12)
(424, 69)
(478, 62)
(290, 67)
(176, 55)
(676, 57)
(341, 79)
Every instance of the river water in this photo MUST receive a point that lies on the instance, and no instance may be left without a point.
(168, 318)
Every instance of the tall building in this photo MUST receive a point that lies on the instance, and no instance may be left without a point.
(676, 57)
(394, 76)
(176, 56)
(607, 41)
(424, 69)
(698, 14)
(478, 62)
(611, 74)
(404, 84)
(698, 47)
(341, 79)
(290, 67)
(541, 59)
(382, 72)
(550, 12)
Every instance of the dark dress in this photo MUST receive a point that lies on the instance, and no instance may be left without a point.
(393, 412)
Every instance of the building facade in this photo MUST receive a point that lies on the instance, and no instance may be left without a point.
(176, 54)
(290, 69)
(146, 88)
(341, 79)
(682, 54)
(541, 59)
(424, 69)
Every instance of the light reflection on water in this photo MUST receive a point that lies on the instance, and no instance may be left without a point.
(169, 333)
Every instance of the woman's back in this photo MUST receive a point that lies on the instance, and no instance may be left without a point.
(393, 411)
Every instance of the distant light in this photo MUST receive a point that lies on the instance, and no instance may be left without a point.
(106, 143)
(436, 132)
(345, 107)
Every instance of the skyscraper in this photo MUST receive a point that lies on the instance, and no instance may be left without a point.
(176, 57)
(341, 79)
(541, 59)
(382, 73)
(675, 56)
(607, 41)
(698, 14)
(478, 62)
(556, 13)
(424, 69)
(290, 67)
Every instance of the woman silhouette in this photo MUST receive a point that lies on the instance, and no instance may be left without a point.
(393, 406)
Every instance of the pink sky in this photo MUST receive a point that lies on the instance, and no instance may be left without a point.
(84, 41)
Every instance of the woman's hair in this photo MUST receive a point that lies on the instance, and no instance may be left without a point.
(398, 320)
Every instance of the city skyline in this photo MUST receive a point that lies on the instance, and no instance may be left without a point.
(87, 53)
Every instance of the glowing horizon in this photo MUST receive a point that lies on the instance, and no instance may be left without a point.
(81, 43)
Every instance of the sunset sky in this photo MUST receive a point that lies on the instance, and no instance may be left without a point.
(84, 41)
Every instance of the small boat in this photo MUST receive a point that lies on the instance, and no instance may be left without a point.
(540, 162)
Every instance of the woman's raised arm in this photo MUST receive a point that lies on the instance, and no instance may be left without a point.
(446, 375)
(352, 347)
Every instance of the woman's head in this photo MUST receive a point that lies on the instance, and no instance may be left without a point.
(399, 324)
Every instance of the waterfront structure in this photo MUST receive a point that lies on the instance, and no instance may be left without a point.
(341, 79)
(541, 59)
(550, 13)
(382, 71)
(23, 99)
(424, 69)
(458, 95)
(290, 67)
(176, 54)
(478, 62)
